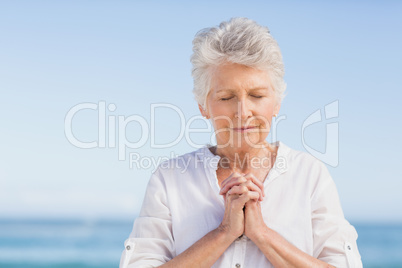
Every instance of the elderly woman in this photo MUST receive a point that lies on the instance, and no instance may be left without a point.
(244, 202)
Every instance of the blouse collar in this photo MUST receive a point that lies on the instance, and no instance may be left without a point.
(280, 166)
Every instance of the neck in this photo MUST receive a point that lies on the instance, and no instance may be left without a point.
(245, 160)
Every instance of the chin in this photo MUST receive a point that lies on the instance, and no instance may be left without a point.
(247, 143)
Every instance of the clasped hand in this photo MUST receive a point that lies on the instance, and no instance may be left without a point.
(242, 195)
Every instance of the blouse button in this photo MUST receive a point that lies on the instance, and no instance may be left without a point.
(349, 248)
(238, 265)
(128, 247)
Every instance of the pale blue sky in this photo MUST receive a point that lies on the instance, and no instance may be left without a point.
(55, 55)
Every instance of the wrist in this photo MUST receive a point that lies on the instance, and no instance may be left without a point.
(262, 237)
(225, 234)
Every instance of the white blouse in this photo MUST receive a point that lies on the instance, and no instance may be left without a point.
(182, 204)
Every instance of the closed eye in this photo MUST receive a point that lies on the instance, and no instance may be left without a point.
(254, 96)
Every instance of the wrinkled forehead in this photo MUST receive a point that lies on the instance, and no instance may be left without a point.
(236, 77)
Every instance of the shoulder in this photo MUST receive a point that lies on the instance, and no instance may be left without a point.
(186, 163)
(303, 166)
(310, 174)
(299, 159)
(181, 172)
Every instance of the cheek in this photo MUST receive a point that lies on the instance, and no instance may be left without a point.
(265, 115)
(221, 115)
(267, 124)
(221, 108)
(221, 124)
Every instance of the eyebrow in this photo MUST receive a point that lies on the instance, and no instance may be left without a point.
(252, 89)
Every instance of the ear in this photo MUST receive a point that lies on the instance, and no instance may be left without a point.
(277, 108)
(203, 112)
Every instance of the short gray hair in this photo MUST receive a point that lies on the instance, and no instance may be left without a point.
(241, 41)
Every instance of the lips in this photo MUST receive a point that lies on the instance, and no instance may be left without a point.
(245, 128)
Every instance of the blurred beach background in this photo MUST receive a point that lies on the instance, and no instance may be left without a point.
(73, 243)
(71, 186)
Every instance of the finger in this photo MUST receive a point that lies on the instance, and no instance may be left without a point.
(250, 195)
(250, 176)
(251, 202)
(241, 201)
(242, 181)
(229, 184)
(238, 189)
(252, 187)
(230, 197)
(233, 175)
(245, 187)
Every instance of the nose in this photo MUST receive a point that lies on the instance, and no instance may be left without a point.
(243, 109)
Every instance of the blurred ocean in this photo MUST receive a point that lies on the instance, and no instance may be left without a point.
(78, 243)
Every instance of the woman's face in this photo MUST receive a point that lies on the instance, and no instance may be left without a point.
(241, 104)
